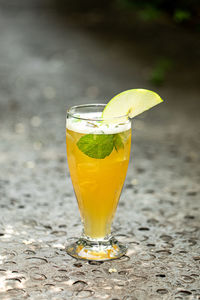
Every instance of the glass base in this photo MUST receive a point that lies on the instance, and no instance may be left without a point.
(99, 250)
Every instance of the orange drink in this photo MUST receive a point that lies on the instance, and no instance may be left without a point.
(98, 182)
(98, 153)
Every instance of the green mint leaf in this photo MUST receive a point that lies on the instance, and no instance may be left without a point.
(96, 145)
(118, 144)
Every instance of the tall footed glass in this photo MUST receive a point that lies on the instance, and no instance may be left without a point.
(98, 153)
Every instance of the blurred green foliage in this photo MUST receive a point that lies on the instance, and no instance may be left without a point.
(181, 15)
(160, 70)
(149, 13)
(180, 11)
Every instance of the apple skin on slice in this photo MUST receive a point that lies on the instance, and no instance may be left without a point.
(131, 103)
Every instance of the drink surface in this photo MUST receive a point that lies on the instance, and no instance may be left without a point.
(97, 182)
(92, 124)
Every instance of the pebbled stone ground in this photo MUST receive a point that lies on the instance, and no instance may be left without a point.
(48, 62)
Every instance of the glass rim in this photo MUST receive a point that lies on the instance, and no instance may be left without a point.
(91, 119)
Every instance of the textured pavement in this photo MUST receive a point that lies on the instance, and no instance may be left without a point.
(48, 62)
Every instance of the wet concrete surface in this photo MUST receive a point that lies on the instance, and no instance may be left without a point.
(48, 62)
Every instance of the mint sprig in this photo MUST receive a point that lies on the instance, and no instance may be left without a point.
(118, 144)
(99, 145)
(96, 145)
